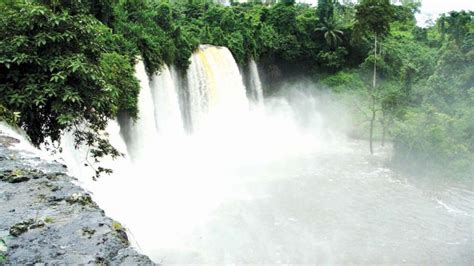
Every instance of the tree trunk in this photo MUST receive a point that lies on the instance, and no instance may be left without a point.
(372, 99)
(384, 131)
(371, 134)
(374, 80)
(384, 122)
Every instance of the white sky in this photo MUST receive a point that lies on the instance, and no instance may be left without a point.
(433, 8)
(442, 6)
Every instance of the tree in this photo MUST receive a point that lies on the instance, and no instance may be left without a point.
(328, 24)
(332, 32)
(373, 17)
(325, 10)
(456, 26)
(100, 9)
(51, 74)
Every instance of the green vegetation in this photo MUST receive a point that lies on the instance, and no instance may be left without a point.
(68, 65)
(52, 74)
(116, 225)
(49, 219)
(3, 250)
(438, 130)
(421, 91)
(373, 17)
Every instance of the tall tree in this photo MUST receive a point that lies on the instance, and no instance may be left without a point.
(332, 32)
(373, 18)
(325, 10)
(456, 25)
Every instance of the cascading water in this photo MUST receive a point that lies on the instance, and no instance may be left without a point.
(141, 133)
(81, 164)
(215, 86)
(167, 113)
(255, 83)
(261, 185)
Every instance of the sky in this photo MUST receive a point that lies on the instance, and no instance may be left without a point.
(433, 8)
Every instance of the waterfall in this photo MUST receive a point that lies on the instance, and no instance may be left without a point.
(260, 186)
(166, 102)
(255, 86)
(216, 89)
(140, 133)
(215, 105)
(216, 101)
(170, 181)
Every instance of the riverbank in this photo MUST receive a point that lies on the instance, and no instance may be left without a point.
(46, 218)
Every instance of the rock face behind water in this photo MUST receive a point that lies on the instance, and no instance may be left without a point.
(45, 218)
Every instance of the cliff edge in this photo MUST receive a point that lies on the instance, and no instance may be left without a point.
(46, 218)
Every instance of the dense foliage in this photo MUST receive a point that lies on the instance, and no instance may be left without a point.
(423, 97)
(438, 131)
(68, 65)
(56, 74)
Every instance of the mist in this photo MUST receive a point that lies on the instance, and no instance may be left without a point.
(270, 181)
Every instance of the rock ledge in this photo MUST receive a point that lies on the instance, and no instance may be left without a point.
(45, 218)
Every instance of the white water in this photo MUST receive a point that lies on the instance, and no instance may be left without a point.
(142, 133)
(168, 117)
(273, 185)
(217, 93)
(255, 83)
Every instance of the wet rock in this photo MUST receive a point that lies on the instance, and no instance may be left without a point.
(20, 228)
(19, 175)
(120, 231)
(55, 199)
(100, 261)
(129, 256)
(24, 226)
(68, 227)
(122, 236)
(37, 224)
(8, 141)
(16, 176)
(88, 232)
(55, 176)
(81, 198)
(18, 179)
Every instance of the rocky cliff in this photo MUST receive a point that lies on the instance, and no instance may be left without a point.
(46, 218)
